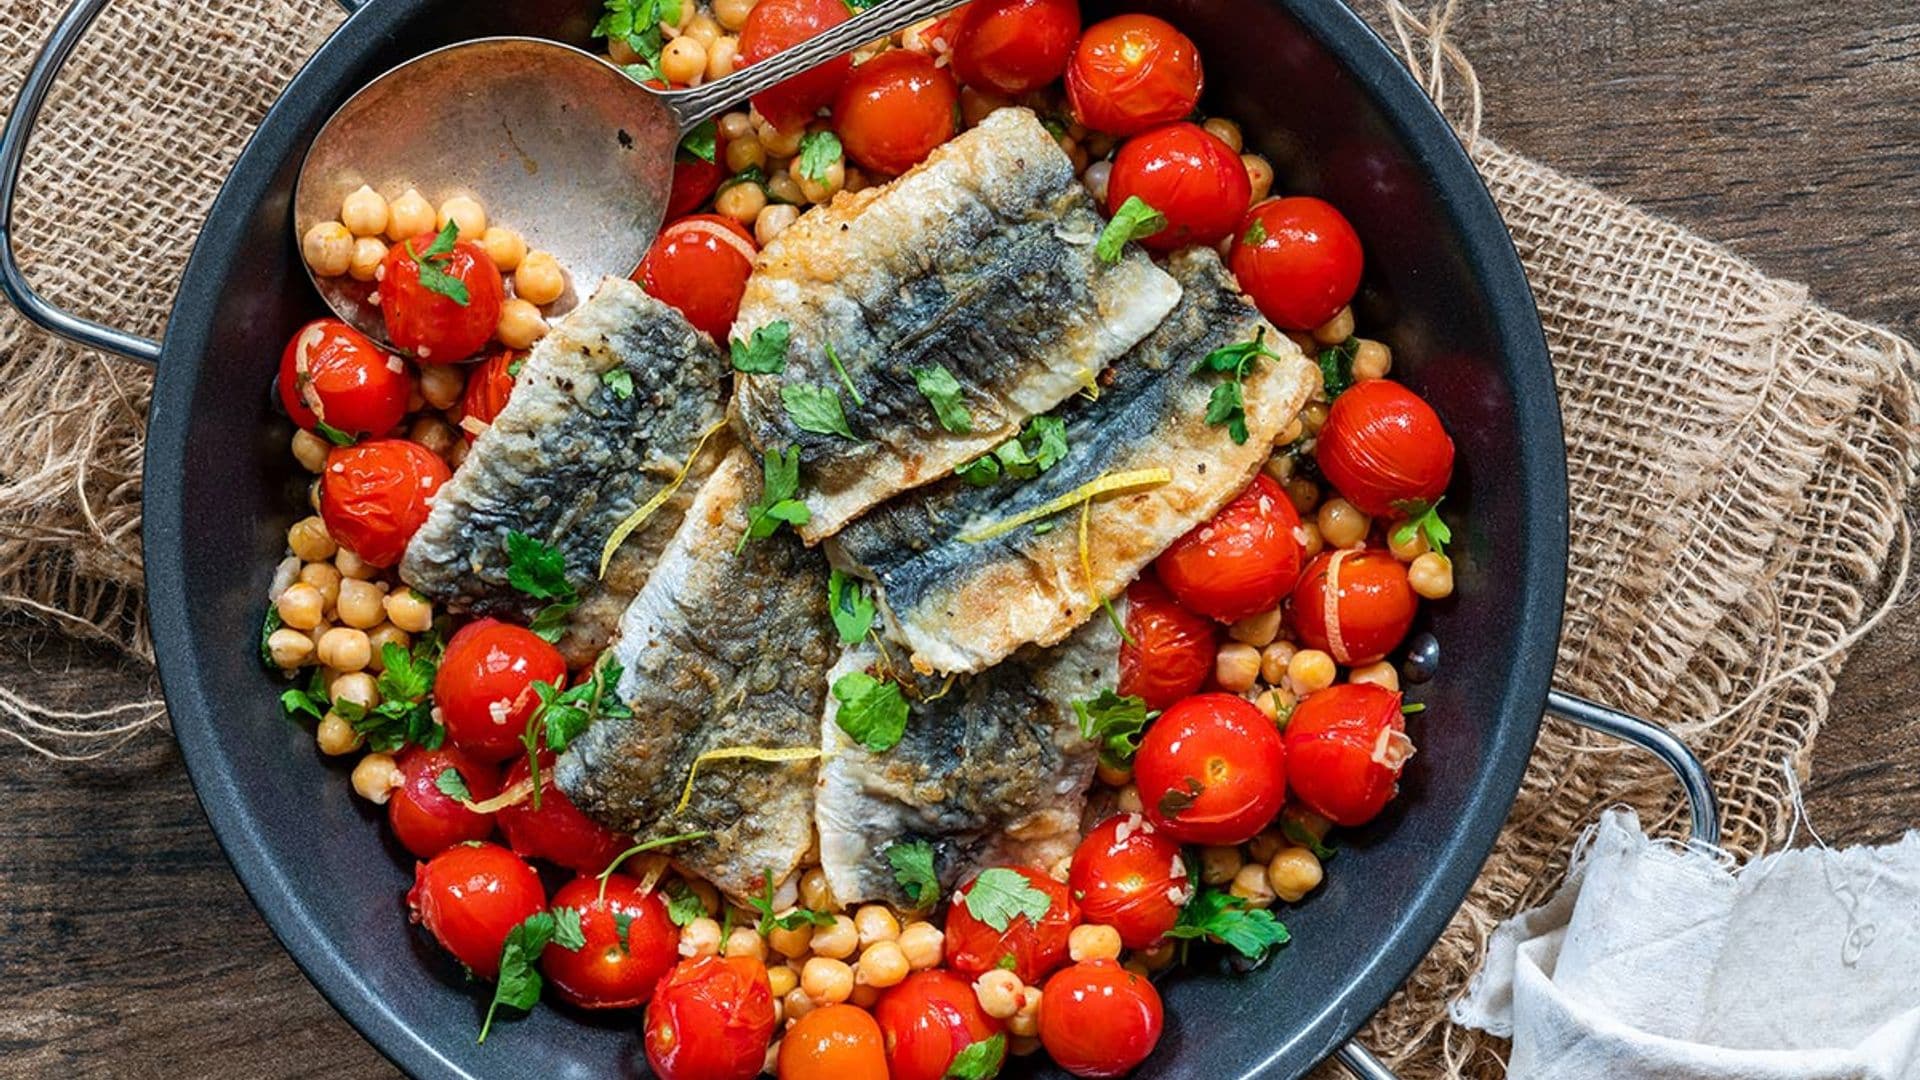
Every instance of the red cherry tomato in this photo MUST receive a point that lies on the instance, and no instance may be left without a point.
(469, 897)
(894, 109)
(485, 687)
(1130, 876)
(1372, 614)
(425, 819)
(974, 947)
(613, 970)
(694, 181)
(489, 385)
(1133, 72)
(710, 1019)
(557, 832)
(700, 265)
(1211, 770)
(775, 25)
(1014, 47)
(928, 1020)
(1099, 1019)
(1240, 563)
(333, 373)
(435, 328)
(375, 495)
(1172, 649)
(1298, 259)
(1185, 172)
(839, 1042)
(1346, 746)
(1385, 449)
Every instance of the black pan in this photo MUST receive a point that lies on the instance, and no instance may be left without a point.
(1317, 92)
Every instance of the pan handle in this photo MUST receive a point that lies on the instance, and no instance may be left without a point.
(13, 148)
(1703, 806)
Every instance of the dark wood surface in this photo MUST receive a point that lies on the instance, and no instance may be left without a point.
(1789, 129)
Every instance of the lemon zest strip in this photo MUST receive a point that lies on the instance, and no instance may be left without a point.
(651, 506)
(1109, 484)
(750, 753)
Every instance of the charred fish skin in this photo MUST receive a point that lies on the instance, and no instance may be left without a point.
(571, 456)
(719, 649)
(961, 607)
(981, 261)
(992, 772)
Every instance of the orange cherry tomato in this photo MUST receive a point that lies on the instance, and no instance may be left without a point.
(1243, 561)
(839, 1042)
(1385, 449)
(1031, 949)
(557, 830)
(776, 25)
(1298, 259)
(484, 686)
(1346, 746)
(710, 1019)
(1099, 1019)
(1372, 611)
(1188, 174)
(1014, 47)
(331, 373)
(1171, 650)
(894, 109)
(1133, 72)
(927, 1021)
(434, 327)
(470, 897)
(489, 385)
(1211, 770)
(616, 969)
(1130, 876)
(700, 264)
(427, 820)
(375, 495)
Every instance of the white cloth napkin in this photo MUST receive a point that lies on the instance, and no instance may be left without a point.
(1655, 960)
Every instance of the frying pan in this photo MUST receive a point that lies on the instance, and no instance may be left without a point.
(1319, 94)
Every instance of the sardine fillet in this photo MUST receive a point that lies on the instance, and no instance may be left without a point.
(719, 650)
(963, 606)
(979, 260)
(571, 456)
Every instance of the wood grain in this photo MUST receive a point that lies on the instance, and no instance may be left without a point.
(1789, 129)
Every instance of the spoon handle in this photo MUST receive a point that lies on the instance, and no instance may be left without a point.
(704, 102)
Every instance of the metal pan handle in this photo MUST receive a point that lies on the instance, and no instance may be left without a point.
(1663, 744)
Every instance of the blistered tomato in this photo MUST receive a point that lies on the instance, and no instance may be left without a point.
(469, 897)
(432, 321)
(1243, 561)
(425, 818)
(839, 1042)
(1385, 450)
(894, 109)
(333, 374)
(1298, 259)
(1346, 746)
(1133, 72)
(695, 180)
(1168, 651)
(1099, 1019)
(700, 264)
(1130, 876)
(375, 495)
(555, 831)
(484, 686)
(1211, 770)
(927, 1021)
(489, 385)
(1029, 948)
(631, 943)
(1371, 608)
(777, 25)
(710, 1019)
(1014, 47)
(1188, 174)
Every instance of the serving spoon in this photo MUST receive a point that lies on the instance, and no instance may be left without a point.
(559, 143)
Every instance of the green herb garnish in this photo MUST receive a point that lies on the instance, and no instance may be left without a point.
(519, 983)
(1336, 367)
(792, 920)
(405, 713)
(619, 380)
(702, 142)
(453, 785)
(872, 712)
(819, 150)
(434, 261)
(942, 391)
(1228, 404)
(765, 350)
(816, 409)
(540, 571)
(999, 895)
(979, 1061)
(1251, 932)
(1423, 519)
(776, 506)
(333, 434)
(850, 605)
(912, 862)
(1132, 221)
(1116, 723)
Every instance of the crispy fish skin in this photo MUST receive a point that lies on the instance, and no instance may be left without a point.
(962, 607)
(990, 773)
(719, 650)
(569, 458)
(981, 259)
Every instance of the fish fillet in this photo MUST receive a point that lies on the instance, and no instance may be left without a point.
(981, 260)
(962, 607)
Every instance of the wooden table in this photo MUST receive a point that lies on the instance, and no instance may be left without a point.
(1788, 128)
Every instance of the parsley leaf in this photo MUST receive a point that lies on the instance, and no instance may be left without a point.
(1036, 449)
(979, 1061)
(1116, 723)
(453, 785)
(333, 434)
(703, 141)
(1296, 832)
(519, 983)
(872, 712)
(792, 920)
(981, 471)
(1177, 800)
(1132, 221)
(540, 571)
(619, 380)
(312, 701)
(267, 626)
(1228, 403)
(999, 895)
(622, 928)
(765, 350)
(566, 929)
(912, 862)
(563, 714)
(1423, 519)
(1256, 233)
(942, 391)
(850, 605)
(1336, 367)
(819, 151)
(515, 366)
(780, 481)
(433, 263)
(637, 24)
(405, 713)
(816, 409)
(1225, 918)
(683, 905)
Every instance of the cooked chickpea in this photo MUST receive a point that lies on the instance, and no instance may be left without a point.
(325, 577)
(539, 280)
(1113, 775)
(1309, 671)
(520, 324)
(792, 944)
(1371, 359)
(814, 891)
(882, 965)
(409, 610)
(357, 687)
(1250, 884)
(1431, 575)
(290, 648)
(328, 248)
(1096, 178)
(377, 641)
(408, 216)
(1289, 435)
(1280, 466)
(783, 979)
(1314, 416)
(301, 606)
(875, 923)
(826, 980)
(375, 777)
(1257, 630)
(433, 433)
(353, 566)
(1027, 1020)
(1314, 543)
(1342, 524)
(1273, 661)
(1225, 130)
(745, 153)
(1380, 673)
(819, 190)
(1158, 958)
(734, 126)
(779, 144)
(1335, 330)
(1127, 800)
(1265, 845)
(360, 604)
(364, 212)
(702, 28)
(701, 937)
(1023, 1045)
(998, 992)
(1304, 494)
(683, 61)
(442, 384)
(722, 56)
(345, 648)
(1218, 864)
(335, 736)
(732, 14)
(773, 220)
(704, 891)
(309, 450)
(923, 944)
(505, 248)
(458, 455)
(620, 52)
(1259, 174)
(745, 941)
(1091, 941)
(1406, 544)
(466, 213)
(368, 253)
(782, 188)
(836, 942)
(313, 495)
(1235, 667)
(742, 201)
(796, 1004)
(1293, 873)
(977, 104)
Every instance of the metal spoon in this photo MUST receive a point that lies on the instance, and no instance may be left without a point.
(555, 142)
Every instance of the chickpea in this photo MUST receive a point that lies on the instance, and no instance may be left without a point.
(620, 52)
(1342, 524)
(1091, 941)
(1127, 800)
(923, 945)
(792, 944)
(360, 605)
(683, 61)
(408, 216)
(830, 181)
(735, 126)
(1235, 667)
(1298, 819)
(442, 384)
(1264, 846)
(357, 687)
(1218, 864)
(324, 577)
(467, 215)
(1027, 1021)
(732, 14)
(783, 979)
(722, 56)
(1113, 775)
(782, 188)
(882, 965)
(779, 144)
(520, 324)
(1273, 661)
(1275, 703)
(1337, 329)
(1314, 416)
(364, 212)
(1431, 575)
(301, 606)
(377, 641)
(345, 648)
(539, 280)
(290, 648)
(313, 495)
(433, 433)
(814, 891)
(505, 247)
(704, 891)
(1225, 130)
(702, 28)
(1309, 671)
(328, 248)
(1304, 494)
(375, 777)
(1371, 359)
(1314, 543)
(353, 566)
(1380, 673)
(335, 736)
(1259, 174)
(977, 104)
(1257, 630)
(1406, 544)
(745, 153)
(368, 254)
(1250, 884)
(409, 610)
(773, 220)
(742, 201)
(1096, 179)
(826, 981)
(1158, 958)
(310, 450)
(1293, 873)
(701, 937)
(875, 923)
(458, 455)
(998, 992)
(836, 942)
(745, 941)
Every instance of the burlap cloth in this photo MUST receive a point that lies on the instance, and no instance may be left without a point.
(1739, 457)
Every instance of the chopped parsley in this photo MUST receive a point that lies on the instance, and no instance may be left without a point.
(819, 151)
(622, 927)
(1228, 403)
(999, 895)
(912, 862)
(267, 626)
(563, 714)
(311, 701)
(872, 712)
(1178, 800)
(1423, 519)
(703, 141)
(619, 380)
(765, 350)
(1295, 831)
(980, 472)
(776, 506)
(852, 390)
(637, 24)
(1116, 723)
(649, 845)
(1256, 233)
(1036, 449)
(792, 920)
(1222, 917)
(979, 1061)
(816, 409)
(405, 713)
(850, 605)
(333, 434)
(453, 785)
(540, 571)
(519, 983)
(942, 391)
(683, 904)
(433, 264)
(1336, 367)
(1132, 221)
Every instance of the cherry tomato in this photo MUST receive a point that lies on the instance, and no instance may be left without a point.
(974, 947)
(894, 109)
(775, 25)
(1130, 876)
(1243, 561)
(700, 265)
(694, 181)
(1298, 259)
(435, 328)
(1385, 450)
(1211, 770)
(1346, 746)
(485, 687)
(557, 832)
(469, 897)
(928, 1020)
(1185, 172)
(1014, 47)
(335, 374)
(1374, 610)
(1171, 650)
(614, 970)
(839, 1042)
(1133, 72)
(425, 819)
(1099, 1019)
(489, 385)
(375, 495)
(710, 1019)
